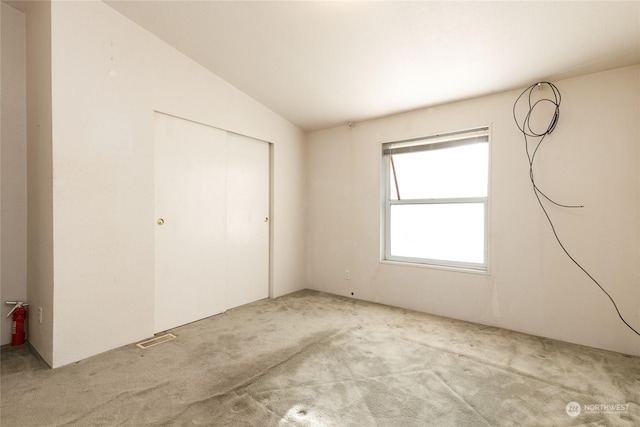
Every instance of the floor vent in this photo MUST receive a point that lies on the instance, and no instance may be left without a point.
(155, 341)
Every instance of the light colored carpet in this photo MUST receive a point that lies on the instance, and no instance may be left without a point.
(313, 359)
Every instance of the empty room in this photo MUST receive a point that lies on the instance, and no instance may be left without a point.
(320, 213)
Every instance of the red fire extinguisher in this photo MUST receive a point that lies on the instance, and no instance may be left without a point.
(18, 332)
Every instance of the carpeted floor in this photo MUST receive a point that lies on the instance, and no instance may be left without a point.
(313, 359)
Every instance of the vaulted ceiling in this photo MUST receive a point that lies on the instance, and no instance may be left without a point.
(321, 64)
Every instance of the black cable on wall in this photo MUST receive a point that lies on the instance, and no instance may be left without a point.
(538, 101)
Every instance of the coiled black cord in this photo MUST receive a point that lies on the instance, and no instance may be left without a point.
(528, 132)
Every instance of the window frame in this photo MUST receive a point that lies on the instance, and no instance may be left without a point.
(447, 140)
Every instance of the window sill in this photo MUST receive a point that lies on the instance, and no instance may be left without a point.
(436, 267)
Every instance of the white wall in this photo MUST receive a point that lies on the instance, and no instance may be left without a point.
(13, 223)
(108, 77)
(592, 158)
(39, 177)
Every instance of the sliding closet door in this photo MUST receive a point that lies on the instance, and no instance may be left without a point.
(247, 220)
(212, 198)
(190, 174)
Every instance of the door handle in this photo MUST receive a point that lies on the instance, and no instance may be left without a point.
(160, 221)
(266, 219)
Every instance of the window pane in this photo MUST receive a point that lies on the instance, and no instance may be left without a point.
(452, 232)
(444, 173)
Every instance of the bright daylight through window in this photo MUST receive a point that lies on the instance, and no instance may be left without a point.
(436, 200)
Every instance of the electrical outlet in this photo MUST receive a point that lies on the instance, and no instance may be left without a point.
(39, 314)
(347, 275)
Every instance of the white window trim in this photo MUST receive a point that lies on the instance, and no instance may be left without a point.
(387, 203)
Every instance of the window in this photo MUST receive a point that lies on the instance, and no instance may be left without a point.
(436, 199)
